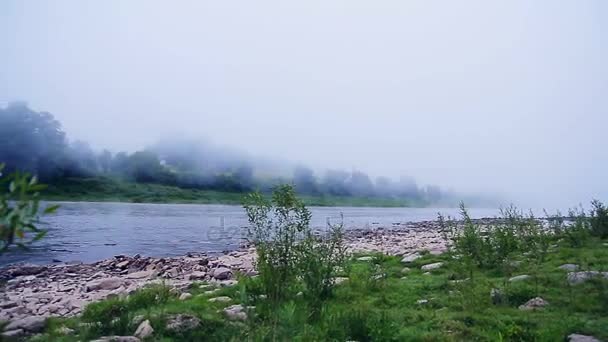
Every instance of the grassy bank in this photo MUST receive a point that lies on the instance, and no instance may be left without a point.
(382, 302)
(101, 189)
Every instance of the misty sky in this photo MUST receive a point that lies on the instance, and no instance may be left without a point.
(505, 96)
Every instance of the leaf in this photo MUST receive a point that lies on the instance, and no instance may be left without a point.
(12, 187)
(39, 236)
(51, 209)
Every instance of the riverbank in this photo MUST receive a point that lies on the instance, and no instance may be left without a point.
(64, 289)
(417, 294)
(100, 189)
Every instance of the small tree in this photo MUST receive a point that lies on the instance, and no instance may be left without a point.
(274, 229)
(19, 210)
(289, 250)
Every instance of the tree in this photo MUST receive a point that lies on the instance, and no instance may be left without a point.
(31, 141)
(360, 184)
(305, 181)
(145, 167)
(335, 182)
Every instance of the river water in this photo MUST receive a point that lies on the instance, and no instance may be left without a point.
(88, 232)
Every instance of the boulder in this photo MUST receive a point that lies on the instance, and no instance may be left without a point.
(519, 278)
(411, 258)
(144, 330)
(236, 313)
(569, 267)
(575, 278)
(534, 304)
(185, 296)
(117, 339)
(430, 267)
(582, 338)
(182, 322)
(339, 280)
(32, 324)
(221, 299)
(12, 334)
(405, 270)
(105, 284)
(365, 258)
(222, 273)
(140, 275)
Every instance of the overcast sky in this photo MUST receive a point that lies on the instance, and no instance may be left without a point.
(506, 96)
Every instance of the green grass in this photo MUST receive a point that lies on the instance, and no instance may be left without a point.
(101, 189)
(364, 309)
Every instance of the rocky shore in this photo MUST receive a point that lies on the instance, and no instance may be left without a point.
(40, 291)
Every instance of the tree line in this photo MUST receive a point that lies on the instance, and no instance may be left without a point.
(35, 142)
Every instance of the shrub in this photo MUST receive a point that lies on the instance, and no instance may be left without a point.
(599, 219)
(20, 210)
(288, 249)
(275, 227)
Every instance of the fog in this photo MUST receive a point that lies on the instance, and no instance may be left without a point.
(505, 98)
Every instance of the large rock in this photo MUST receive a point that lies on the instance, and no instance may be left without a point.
(581, 277)
(185, 296)
(534, 304)
(430, 267)
(569, 267)
(221, 299)
(411, 258)
(12, 334)
(519, 278)
(236, 313)
(181, 323)
(105, 284)
(117, 339)
(582, 338)
(222, 273)
(32, 324)
(140, 275)
(365, 258)
(144, 330)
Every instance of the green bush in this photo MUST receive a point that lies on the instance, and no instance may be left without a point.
(289, 250)
(599, 219)
(20, 210)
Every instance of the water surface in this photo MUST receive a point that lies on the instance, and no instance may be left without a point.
(87, 232)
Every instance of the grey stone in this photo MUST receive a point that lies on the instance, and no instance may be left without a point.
(185, 296)
(222, 273)
(582, 338)
(236, 312)
(32, 324)
(569, 267)
(432, 266)
(575, 278)
(365, 258)
(12, 334)
(405, 270)
(534, 304)
(182, 323)
(144, 330)
(519, 278)
(221, 299)
(411, 258)
(117, 339)
(105, 284)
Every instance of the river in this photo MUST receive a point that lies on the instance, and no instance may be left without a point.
(87, 232)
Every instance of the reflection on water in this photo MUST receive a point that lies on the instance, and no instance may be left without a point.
(89, 232)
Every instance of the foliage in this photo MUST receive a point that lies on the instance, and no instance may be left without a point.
(20, 209)
(275, 227)
(34, 142)
(599, 219)
(288, 249)
(360, 310)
